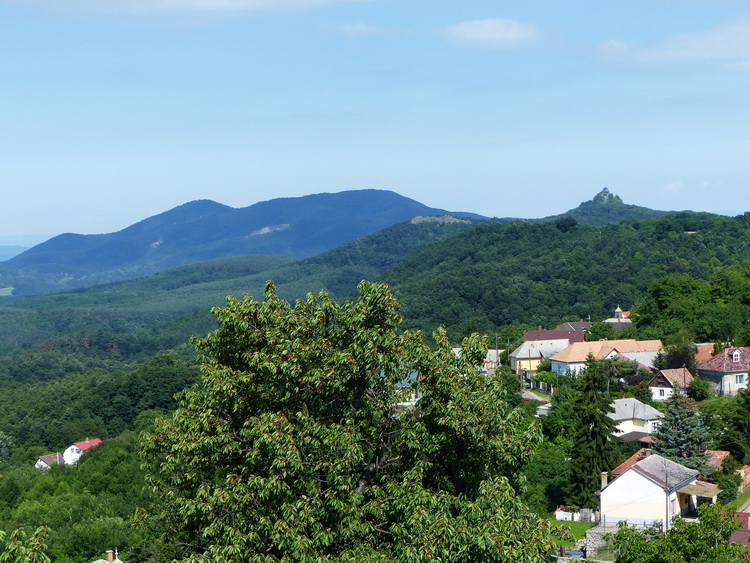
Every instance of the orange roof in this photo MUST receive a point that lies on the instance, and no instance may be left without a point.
(703, 352)
(678, 377)
(716, 458)
(86, 444)
(600, 349)
(643, 453)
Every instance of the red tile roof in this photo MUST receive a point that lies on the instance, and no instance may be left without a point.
(87, 444)
(678, 377)
(643, 453)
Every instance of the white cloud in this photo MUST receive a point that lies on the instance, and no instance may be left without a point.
(494, 33)
(174, 6)
(728, 46)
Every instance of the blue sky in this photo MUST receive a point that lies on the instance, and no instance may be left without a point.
(115, 110)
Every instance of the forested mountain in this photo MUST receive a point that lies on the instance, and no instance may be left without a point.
(205, 230)
(164, 310)
(538, 273)
(606, 208)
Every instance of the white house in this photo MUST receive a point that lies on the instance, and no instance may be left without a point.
(633, 416)
(668, 382)
(573, 358)
(73, 453)
(652, 492)
(47, 461)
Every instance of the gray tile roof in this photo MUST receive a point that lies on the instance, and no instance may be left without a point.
(630, 408)
(664, 472)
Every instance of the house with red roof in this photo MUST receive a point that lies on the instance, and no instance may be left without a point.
(73, 453)
(727, 371)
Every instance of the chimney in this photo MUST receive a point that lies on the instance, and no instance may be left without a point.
(110, 556)
(604, 479)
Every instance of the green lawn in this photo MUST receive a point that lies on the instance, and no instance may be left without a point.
(740, 500)
(578, 529)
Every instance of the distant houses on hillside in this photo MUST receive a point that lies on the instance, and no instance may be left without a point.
(70, 455)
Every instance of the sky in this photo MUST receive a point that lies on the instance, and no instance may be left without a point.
(112, 111)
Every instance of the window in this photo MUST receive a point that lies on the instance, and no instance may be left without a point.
(739, 379)
(736, 356)
(661, 392)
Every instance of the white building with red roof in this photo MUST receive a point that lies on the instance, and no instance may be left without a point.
(73, 452)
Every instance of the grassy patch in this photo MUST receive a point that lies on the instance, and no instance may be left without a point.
(740, 500)
(6, 291)
(577, 529)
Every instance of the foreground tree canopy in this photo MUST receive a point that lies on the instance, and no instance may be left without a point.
(291, 447)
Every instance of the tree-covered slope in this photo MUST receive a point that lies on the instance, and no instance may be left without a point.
(162, 310)
(538, 273)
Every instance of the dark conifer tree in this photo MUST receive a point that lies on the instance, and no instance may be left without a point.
(681, 435)
(593, 450)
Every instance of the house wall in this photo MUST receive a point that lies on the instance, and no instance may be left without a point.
(521, 365)
(636, 500)
(661, 393)
(729, 385)
(636, 425)
(724, 384)
(562, 367)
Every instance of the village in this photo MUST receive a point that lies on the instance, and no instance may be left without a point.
(646, 490)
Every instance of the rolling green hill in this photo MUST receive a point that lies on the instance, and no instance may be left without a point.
(538, 273)
(165, 309)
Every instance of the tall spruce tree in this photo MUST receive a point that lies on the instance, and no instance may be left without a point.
(681, 435)
(593, 450)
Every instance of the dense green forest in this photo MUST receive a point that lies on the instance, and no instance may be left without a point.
(535, 273)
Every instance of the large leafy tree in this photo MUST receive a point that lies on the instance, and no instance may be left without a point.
(291, 447)
(682, 435)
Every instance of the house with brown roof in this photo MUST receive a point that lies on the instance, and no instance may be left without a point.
(668, 382)
(727, 371)
(577, 326)
(46, 461)
(569, 335)
(572, 359)
(653, 490)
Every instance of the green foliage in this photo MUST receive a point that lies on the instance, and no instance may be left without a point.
(498, 274)
(734, 422)
(22, 549)
(85, 510)
(699, 389)
(705, 541)
(290, 448)
(592, 449)
(600, 331)
(682, 436)
(685, 309)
